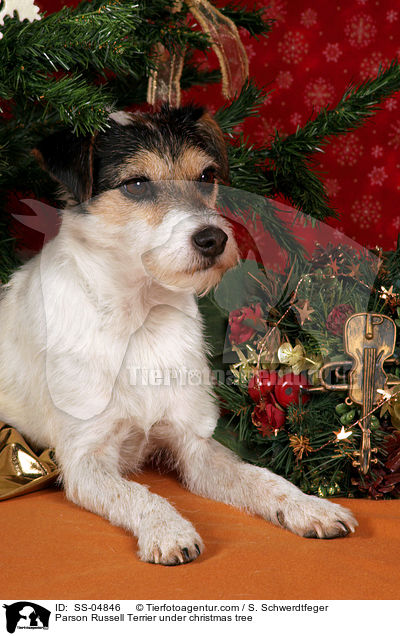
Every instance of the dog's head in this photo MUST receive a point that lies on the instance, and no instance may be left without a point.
(152, 179)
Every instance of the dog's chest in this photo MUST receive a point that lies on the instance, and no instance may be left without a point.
(163, 356)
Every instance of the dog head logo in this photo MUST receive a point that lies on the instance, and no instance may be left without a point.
(26, 615)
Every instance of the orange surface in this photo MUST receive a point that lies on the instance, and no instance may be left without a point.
(50, 549)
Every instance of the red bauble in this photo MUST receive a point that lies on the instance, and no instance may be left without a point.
(288, 391)
(262, 383)
(268, 417)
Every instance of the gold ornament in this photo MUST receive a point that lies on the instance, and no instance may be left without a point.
(295, 357)
(21, 469)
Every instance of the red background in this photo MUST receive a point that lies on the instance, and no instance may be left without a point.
(314, 50)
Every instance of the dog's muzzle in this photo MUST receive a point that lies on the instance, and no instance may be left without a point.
(210, 241)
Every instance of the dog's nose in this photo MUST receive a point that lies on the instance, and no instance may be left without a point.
(210, 241)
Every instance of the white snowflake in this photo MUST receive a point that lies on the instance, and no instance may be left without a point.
(332, 187)
(392, 16)
(308, 18)
(268, 127)
(366, 212)
(348, 150)
(396, 223)
(275, 10)
(391, 104)
(26, 9)
(250, 50)
(296, 119)
(377, 151)
(394, 137)
(377, 175)
(319, 93)
(284, 79)
(332, 52)
(371, 65)
(338, 233)
(293, 47)
(360, 30)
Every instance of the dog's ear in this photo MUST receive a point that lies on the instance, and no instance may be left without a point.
(213, 135)
(69, 160)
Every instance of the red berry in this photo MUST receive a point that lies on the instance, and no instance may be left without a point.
(288, 391)
(262, 383)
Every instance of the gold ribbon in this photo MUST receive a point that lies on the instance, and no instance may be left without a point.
(165, 81)
(21, 469)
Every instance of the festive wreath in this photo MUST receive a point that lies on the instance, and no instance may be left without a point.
(282, 370)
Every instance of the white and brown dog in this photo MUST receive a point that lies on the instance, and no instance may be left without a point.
(115, 291)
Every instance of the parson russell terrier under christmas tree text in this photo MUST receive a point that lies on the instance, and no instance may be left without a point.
(115, 290)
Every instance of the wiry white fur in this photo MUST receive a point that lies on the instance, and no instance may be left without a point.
(100, 300)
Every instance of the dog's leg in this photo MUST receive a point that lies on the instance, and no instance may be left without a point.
(213, 471)
(93, 481)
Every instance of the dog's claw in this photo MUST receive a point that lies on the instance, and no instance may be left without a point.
(197, 548)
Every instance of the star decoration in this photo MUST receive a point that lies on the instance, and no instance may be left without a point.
(334, 267)
(342, 434)
(304, 312)
(354, 270)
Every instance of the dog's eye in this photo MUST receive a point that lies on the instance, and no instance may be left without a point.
(139, 188)
(207, 176)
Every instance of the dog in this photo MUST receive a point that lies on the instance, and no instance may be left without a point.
(114, 291)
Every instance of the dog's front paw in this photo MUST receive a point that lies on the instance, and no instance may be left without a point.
(171, 542)
(316, 518)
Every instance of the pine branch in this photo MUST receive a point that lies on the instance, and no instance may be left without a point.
(253, 21)
(289, 169)
(358, 104)
(246, 104)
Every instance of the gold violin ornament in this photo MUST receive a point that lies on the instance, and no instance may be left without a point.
(369, 339)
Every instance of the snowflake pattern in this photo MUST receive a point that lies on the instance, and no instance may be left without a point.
(391, 104)
(348, 150)
(394, 135)
(332, 187)
(377, 175)
(367, 212)
(296, 119)
(275, 10)
(308, 18)
(269, 126)
(377, 151)
(392, 16)
(319, 93)
(396, 223)
(284, 79)
(360, 30)
(293, 47)
(332, 52)
(371, 64)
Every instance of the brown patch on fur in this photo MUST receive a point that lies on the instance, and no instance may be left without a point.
(118, 209)
(281, 517)
(210, 126)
